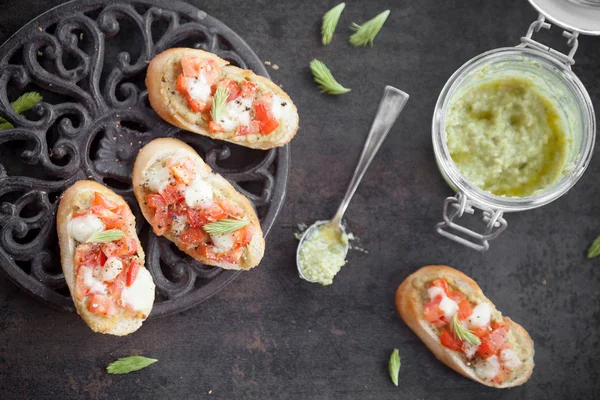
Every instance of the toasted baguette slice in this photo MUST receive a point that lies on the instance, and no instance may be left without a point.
(78, 198)
(172, 106)
(412, 295)
(158, 150)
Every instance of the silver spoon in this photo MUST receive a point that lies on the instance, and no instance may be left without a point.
(392, 103)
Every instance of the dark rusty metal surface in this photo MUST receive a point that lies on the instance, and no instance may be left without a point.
(88, 59)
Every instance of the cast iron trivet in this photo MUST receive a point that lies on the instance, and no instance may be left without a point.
(88, 59)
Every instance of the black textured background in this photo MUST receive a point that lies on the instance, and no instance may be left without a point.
(271, 336)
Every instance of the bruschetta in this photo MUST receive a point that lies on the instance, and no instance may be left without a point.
(463, 328)
(248, 109)
(103, 260)
(196, 208)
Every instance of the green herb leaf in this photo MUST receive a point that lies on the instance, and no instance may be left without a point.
(219, 103)
(129, 364)
(225, 226)
(325, 80)
(394, 366)
(365, 33)
(106, 236)
(462, 333)
(330, 21)
(23, 104)
(594, 250)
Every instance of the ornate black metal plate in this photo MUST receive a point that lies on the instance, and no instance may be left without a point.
(88, 60)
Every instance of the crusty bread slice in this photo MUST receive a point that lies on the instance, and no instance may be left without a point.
(157, 150)
(410, 298)
(170, 105)
(78, 198)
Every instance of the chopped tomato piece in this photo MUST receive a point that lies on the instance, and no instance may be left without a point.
(193, 66)
(480, 331)
(441, 283)
(214, 127)
(464, 307)
(80, 289)
(181, 84)
(160, 220)
(117, 286)
(251, 129)
(491, 343)
(231, 209)
(100, 200)
(173, 193)
(433, 313)
(101, 258)
(123, 247)
(242, 237)
(232, 88)
(132, 272)
(110, 219)
(193, 236)
(264, 115)
(200, 217)
(249, 90)
(102, 304)
(183, 171)
(197, 105)
(232, 256)
(451, 342)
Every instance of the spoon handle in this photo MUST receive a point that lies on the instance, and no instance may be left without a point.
(391, 105)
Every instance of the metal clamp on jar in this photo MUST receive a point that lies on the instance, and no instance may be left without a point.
(550, 71)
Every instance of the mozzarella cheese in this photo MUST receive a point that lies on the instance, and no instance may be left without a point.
(487, 369)
(112, 267)
(178, 224)
(481, 316)
(140, 295)
(435, 291)
(157, 177)
(93, 284)
(448, 307)
(82, 228)
(222, 243)
(237, 112)
(198, 88)
(469, 349)
(198, 194)
(279, 107)
(510, 359)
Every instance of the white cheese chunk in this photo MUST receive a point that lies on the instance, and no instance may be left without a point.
(448, 307)
(140, 295)
(178, 224)
(510, 359)
(222, 243)
(481, 316)
(198, 88)
(487, 369)
(435, 291)
(112, 267)
(279, 107)
(93, 284)
(198, 194)
(237, 113)
(156, 177)
(469, 349)
(82, 228)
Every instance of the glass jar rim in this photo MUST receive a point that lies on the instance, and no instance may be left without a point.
(461, 184)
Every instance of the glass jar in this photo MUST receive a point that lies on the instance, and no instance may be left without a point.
(551, 71)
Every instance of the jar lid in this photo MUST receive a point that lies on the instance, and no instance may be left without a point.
(582, 16)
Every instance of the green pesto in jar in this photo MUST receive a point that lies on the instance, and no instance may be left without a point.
(506, 138)
(323, 254)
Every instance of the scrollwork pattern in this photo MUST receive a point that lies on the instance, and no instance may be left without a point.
(88, 59)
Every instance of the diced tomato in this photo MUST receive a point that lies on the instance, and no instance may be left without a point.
(80, 289)
(264, 114)
(200, 217)
(132, 271)
(251, 129)
(249, 90)
(193, 66)
(480, 331)
(232, 88)
(87, 254)
(110, 219)
(197, 105)
(173, 193)
(242, 237)
(451, 342)
(183, 170)
(232, 256)
(193, 236)
(433, 313)
(441, 283)
(100, 200)
(181, 84)
(464, 307)
(491, 343)
(214, 127)
(123, 247)
(101, 258)
(123, 212)
(102, 304)
(160, 220)
(117, 286)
